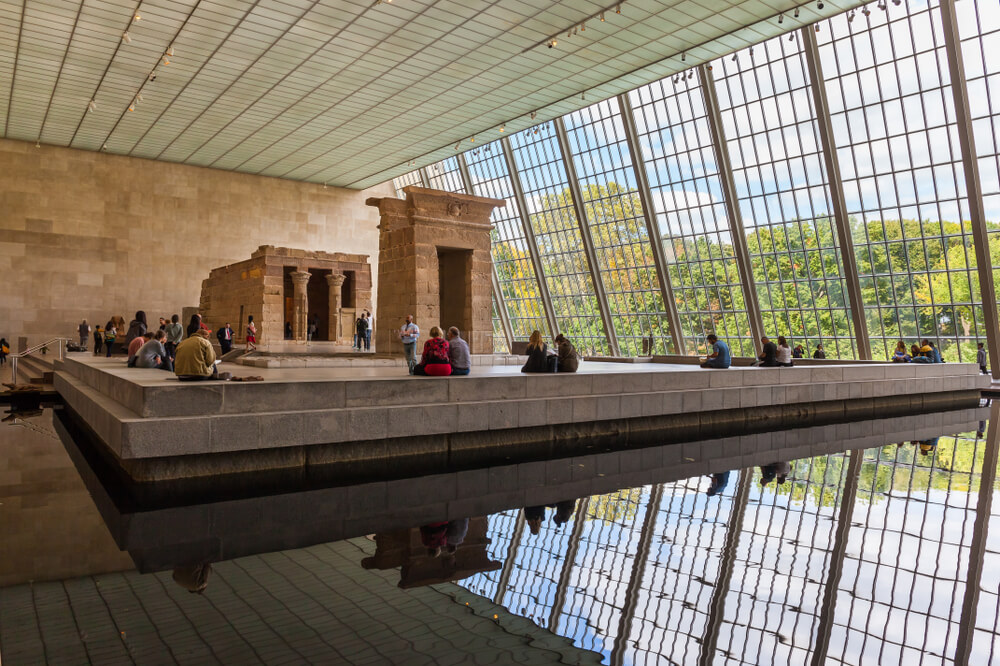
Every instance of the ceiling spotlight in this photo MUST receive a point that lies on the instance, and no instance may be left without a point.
(533, 114)
(472, 140)
(602, 17)
(751, 51)
(92, 106)
(166, 61)
(170, 50)
(850, 16)
(691, 74)
(817, 27)
(582, 97)
(896, 2)
(553, 42)
(503, 126)
(126, 38)
(735, 57)
(881, 5)
(684, 56)
(791, 36)
(583, 26)
(781, 18)
(796, 15)
(137, 17)
(457, 145)
(152, 76)
(104, 147)
(819, 4)
(131, 107)
(138, 97)
(618, 9)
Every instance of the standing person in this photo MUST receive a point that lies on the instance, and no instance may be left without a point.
(194, 324)
(361, 330)
(981, 358)
(312, 327)
(409, 334)
(569, 359)
(4, 350)
(819, 353)
(251, 334)
(98, 340)
(225, 335)
(769, 356)
(288, 330)
(84, 333)
(110, 334)
(163, 324)
(175, 333)
(458, 352)
(720, 358)
(136, 328)
(784, 353)
(368, 330)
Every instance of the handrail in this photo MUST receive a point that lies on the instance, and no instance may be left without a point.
(60, 351)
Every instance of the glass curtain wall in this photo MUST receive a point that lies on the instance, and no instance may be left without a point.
(893, 121)
(886, 77)
(557, 232)
(615, 217)
(445, 175)
(518, 283)
(411, 178)
(768, 119)
(676, 143)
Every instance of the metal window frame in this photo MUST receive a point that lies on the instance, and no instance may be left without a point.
(529, 235)
(576, 194)
(973, 185)
(733, 214)
(425, 180)
(646, 199)
(855, 303)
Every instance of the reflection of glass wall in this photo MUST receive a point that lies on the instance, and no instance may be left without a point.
(894, 125)
(769, 122)
(678, 157)
(887, 81)
(615, 216)
(557, 233)
(488, 171)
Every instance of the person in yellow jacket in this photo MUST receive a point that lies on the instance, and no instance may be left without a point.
(195, 358)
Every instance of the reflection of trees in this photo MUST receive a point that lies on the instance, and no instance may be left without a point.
(917, 279)
(616, 507)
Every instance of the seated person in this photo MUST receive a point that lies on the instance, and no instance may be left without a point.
(458, 352)
(153, 354)
(819, 353)
(798, 352)
(195, 358)
(434, 361)
(568, 359)
(133, 347)
(784, 353)
(924, 355)
(538, 355)
(900, 355)
(769, 356)
(720, 357)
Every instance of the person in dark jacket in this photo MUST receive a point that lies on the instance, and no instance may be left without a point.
(769, 356)
(538, 354)
(819, 353)
(225, 335)
(569, 360)
(194, 324)
(136, 328)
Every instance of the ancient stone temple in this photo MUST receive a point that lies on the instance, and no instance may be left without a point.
(434, 263)
(278, 285)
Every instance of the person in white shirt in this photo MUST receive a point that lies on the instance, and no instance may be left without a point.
(409, 334)
(784, 353)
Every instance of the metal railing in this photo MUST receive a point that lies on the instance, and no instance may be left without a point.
(60, 352)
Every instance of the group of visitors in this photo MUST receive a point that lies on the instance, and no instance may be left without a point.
(441, 356)
(927, 352)
(772, 355)
(540, 359)
(363, 326)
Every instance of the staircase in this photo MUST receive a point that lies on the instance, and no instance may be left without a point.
(35, 369)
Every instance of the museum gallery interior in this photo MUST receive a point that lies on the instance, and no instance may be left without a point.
(499, 331)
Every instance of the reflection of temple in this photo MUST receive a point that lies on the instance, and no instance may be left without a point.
(418, 567)
(278, 285)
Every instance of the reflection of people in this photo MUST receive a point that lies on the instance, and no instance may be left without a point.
(928, 446)
(719, 482)
(534, 515)
(720, 357)
(193, 578)
(448, 534)
(775, 471)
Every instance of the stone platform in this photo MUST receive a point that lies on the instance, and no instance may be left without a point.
(157, 428)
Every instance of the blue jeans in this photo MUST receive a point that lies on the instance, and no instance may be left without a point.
(410, 352)
(715, 363)
(368, 340)
(460, 371)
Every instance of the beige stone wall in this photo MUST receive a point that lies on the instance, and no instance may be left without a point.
(89, 235)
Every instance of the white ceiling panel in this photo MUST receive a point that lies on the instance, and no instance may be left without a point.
(348, 92)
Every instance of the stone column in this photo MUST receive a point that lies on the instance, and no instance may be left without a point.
(300, 279)
(335, 281)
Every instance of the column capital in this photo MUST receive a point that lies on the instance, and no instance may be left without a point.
(300, 278)
(336, 280)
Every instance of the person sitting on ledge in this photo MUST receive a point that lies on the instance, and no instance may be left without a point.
(135, 345)
(153, 354)
(784, 353)
(900, 355)
(720, 357)
(769, 356)
(196, 358)
(924, 355)
(538, 354)
(819, 353)
(458, 352)
(434, 361)
(569, 359)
